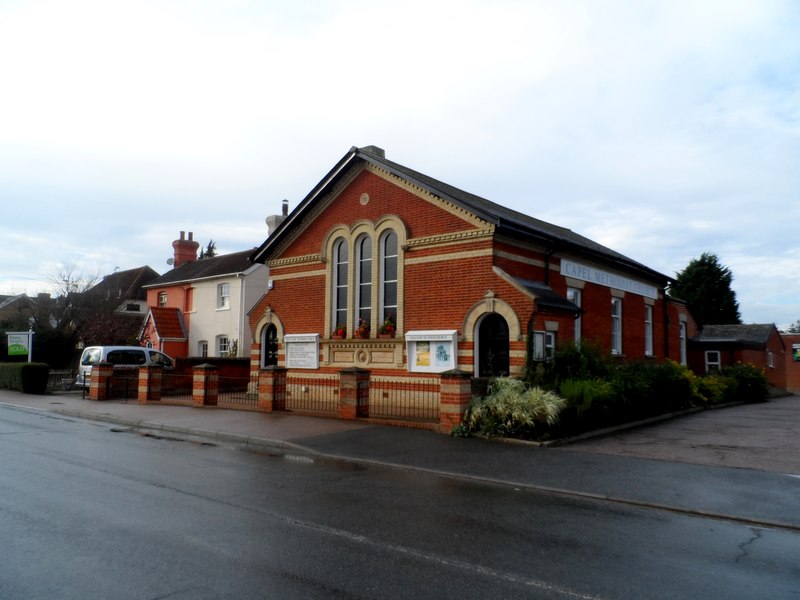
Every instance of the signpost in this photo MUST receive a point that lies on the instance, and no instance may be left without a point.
(20, 343)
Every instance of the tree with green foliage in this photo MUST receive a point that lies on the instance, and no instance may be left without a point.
(209, 251)
(794, 327)
(705, 285)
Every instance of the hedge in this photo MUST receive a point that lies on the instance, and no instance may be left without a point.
(28, 378)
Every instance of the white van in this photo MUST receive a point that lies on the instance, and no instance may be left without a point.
(126, 356)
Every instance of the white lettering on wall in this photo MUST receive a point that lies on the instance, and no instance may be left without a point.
(607, 279)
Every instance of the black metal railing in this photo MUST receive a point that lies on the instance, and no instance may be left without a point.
(238, 392)
(312, 394)
(407, 398)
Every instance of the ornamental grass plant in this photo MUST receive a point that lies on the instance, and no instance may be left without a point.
(512, 409)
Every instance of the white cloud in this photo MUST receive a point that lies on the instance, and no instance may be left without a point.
(662, 130)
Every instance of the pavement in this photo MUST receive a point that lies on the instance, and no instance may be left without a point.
(654, 470)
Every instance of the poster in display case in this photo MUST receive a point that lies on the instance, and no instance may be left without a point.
(432, 351)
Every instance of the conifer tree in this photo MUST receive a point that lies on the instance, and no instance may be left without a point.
(705, 285)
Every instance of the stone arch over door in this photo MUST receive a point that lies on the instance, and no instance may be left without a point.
(500, 334)
(269, 329)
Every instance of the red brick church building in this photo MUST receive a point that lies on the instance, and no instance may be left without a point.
(387, 269)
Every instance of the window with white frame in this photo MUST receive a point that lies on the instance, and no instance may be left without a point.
(388, 257)
(770, 360)
(713, 361)
(223, 296)
(162, 299)
(574, 296)
(372, 268)
(682, 334)
(364, 280)
(223, 345)
(648, 330)
(340, 268)
(544, 345)
(616, 325)
(202, 348)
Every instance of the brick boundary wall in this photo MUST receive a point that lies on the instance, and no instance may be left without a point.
(205, 385)
(149, 389)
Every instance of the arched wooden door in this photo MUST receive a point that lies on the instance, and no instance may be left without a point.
(493, 343)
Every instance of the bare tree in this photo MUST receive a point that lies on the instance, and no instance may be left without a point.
(69, 280)
(58, 316)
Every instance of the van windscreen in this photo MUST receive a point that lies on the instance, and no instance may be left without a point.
(91, 356)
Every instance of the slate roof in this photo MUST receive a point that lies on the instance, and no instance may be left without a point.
(546, 297)
(206, 268)
(127, 284)
(168, 323)
(742, 334)
(9, 300)
(505, 219)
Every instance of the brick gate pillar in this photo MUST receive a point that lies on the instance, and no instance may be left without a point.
(205, 385)
(100, 381)
(354, 393)
(455, 393)
(272, 389)
(149, 384)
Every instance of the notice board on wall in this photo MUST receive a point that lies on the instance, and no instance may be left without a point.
(433, 351)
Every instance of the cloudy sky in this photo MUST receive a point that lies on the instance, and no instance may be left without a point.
(662, 129)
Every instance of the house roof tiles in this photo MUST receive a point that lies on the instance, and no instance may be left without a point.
(747, 334)
(168, 323)
(206, 268)
(127, 284)
(546, 297)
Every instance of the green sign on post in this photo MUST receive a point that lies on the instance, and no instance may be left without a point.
(20, 343)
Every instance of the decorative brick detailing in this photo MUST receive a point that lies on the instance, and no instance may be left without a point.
(454, 396)
(255, 358)
(149, 384)
(100, 382)
(205, 385)
(272, 389)
(354, 393)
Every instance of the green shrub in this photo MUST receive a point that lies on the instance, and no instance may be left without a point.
(513, 409)
(714, 388)
(590, 404)
(29, 378)
(586, 360)
(736, 383)
(582, 394)
(672, 387)
(750, 383)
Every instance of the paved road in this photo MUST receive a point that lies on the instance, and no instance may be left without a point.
(97, 510)
(765, 437)
(650, 478)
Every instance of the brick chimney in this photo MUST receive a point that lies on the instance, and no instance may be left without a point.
(185, 250)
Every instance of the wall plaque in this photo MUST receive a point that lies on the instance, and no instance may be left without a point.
(302, 350)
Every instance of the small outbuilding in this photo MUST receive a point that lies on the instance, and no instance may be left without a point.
(761, 345)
